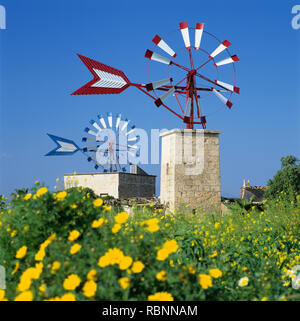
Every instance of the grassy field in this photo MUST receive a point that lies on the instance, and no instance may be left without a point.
(70, 245)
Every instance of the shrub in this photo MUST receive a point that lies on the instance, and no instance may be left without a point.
(68, 245)
(286, 181)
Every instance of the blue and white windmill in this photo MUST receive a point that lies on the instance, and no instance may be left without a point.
(109, 144)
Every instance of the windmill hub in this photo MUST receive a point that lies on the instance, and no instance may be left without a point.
(192, 72)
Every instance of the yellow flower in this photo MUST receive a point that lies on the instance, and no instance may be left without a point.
(21, 252)
(161, 276)
(28, 275)
(167, 248)
(205, 281)
(161, 296)
(26, 227)
(89, 288)
(2, 295)
(61, 195)
(16, 268)
(73, 206)
(215, 273)
(192, 269)
(68, 297)
(40, 254)
(73, 235)
(125, 262)
(124, 282)
(43, 287)
(104, 261)
(244, 268)
(116, 228)
(24, 284)
(153, 228)
(75, 248)
(98, 202)
(243, 281)
(71, 282)
(24, 296)
(162, 254)
(55, 267)
(92, 275)
(121, 217)
(41, 191)
(217, 225)
(171, 246)
(27, 197)
(214, 254)
(106, 208)
(13, 233)
(137, 267)
(98, 223)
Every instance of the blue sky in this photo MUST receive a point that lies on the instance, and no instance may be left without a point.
(39, 69)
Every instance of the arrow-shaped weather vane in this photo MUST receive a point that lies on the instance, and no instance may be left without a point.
(63, 146)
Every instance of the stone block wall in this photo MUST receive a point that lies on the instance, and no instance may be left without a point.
(119, 185)
(190, 169)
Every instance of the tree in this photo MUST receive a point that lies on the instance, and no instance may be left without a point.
(287, 179)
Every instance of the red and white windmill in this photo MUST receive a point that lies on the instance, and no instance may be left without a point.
(185, 81)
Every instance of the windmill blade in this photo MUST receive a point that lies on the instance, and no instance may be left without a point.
(132, 146)
(187, 114)
(102, 121)
(227, 61)
(228, 86)
(91, 157)
(185, 34)
(94, 124)
(90, 148)
(130, 131)
(109, 117)
(223, 99)
(188, 107)
(157, 84)
(63, 146)
(156, 57)
(124, 125)
(198, 34)
(89, 131)
(86, 139)
(132, 139)
(107, 80)
(224, 45)
(118, 120)
(164, 46)
(158, 102)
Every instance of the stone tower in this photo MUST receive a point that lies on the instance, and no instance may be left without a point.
(190, 169)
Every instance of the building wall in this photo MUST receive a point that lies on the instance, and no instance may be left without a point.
(98, 182)
(118, 185)
(190, 169)
(134, 185)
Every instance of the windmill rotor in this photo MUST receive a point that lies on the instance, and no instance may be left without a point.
(110, 143)
(188, 90)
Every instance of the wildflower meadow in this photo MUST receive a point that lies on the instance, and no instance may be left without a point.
(70, 245)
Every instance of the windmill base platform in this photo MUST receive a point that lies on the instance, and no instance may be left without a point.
(120, 185)
(190, 169)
